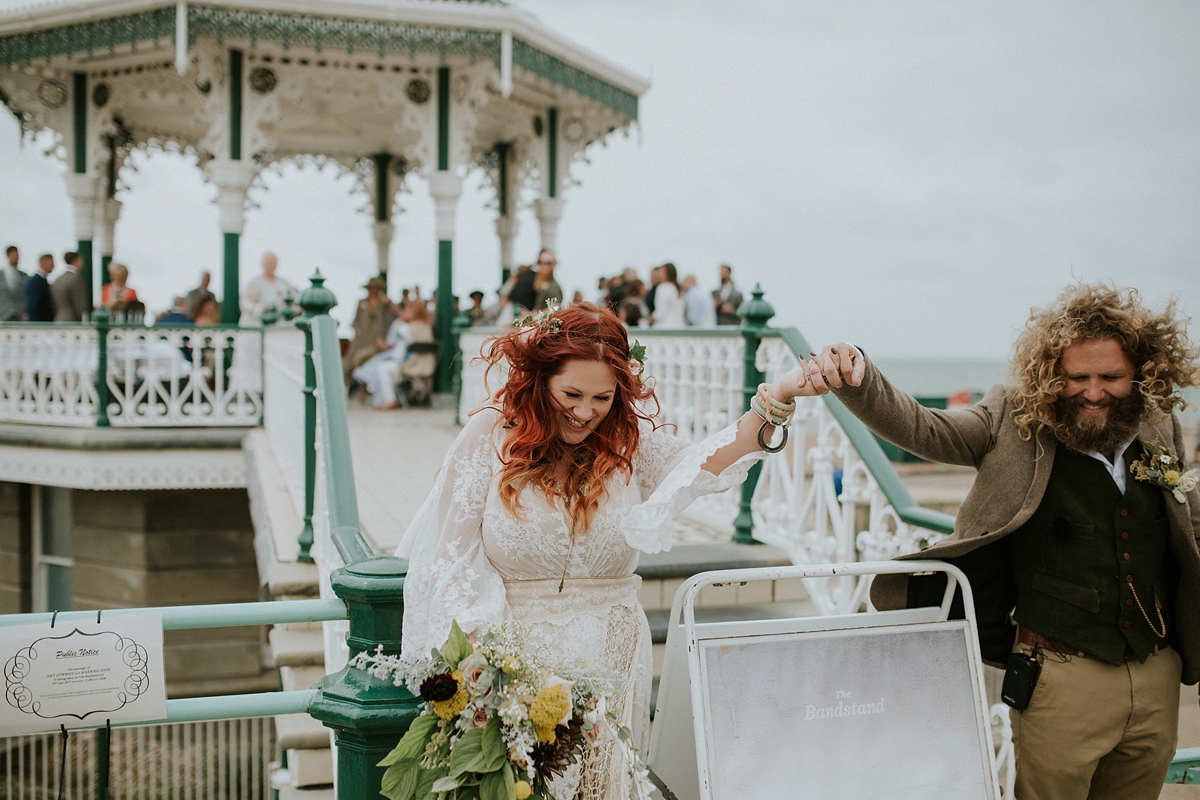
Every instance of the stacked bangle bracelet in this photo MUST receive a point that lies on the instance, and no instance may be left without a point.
(773, 412)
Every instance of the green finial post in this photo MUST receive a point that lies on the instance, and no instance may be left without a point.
(314, 300)
(755, 314)
(368, 715)
(103, 321)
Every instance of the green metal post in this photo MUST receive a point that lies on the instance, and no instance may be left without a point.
(552, 152)
(235, 105)
(79, 107)
(383, 208)
(368, 715)
(443, 100)
(103, 747)
(755, 314)
(314, 300)
(102, 319)
(461, 323)
(445, 311)
(85, 256)
(231, 304)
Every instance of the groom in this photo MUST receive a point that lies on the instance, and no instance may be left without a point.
(1096, 563)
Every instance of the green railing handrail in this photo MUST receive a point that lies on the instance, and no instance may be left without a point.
(1185, 767)
(870, 452)
(341, 501)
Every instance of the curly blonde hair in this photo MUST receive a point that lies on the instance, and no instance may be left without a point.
(1157, 345)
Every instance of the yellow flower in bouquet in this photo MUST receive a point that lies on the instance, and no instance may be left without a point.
(549, 707)
(449, 709)
(522, 790)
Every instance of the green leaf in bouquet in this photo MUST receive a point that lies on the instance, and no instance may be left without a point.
(495, 754)
(457, 647)
(468, 753)
(446, 784)
(425, 781)
(412, 745)
(400, 780)
(498, 785)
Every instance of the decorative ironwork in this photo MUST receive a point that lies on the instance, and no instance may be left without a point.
(100, 95)
(573, 78)
(263, 80)
(156, 25)
(52, 92)
(418, 91)
(573, 130)
(338, 33)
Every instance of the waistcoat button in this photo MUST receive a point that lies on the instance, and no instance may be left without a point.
(1125, 556)
(1125, 624)
(1124, 534)
(1128, 602)
(1124, 512)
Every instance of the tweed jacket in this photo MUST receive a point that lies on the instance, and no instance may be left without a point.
(69, 296)
(1012, 478)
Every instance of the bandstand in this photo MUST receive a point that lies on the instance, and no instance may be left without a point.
(381, 88)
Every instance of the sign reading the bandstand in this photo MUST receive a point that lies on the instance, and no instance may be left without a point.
(853, 713)
(82, 674)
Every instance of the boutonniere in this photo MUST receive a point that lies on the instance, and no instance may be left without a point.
(1165, 470)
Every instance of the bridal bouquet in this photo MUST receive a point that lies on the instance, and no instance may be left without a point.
(499, 721)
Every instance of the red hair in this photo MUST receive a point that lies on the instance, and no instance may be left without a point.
(533, 448)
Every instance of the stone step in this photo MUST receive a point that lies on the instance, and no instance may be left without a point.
(311, 793)
(300, 732)
(292, 648)
(310, 767)
(300, 678)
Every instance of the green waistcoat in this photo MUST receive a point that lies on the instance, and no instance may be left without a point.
(1088, 555)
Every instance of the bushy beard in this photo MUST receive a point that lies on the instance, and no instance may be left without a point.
(1105, 435)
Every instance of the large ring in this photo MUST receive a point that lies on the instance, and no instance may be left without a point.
(762, 443)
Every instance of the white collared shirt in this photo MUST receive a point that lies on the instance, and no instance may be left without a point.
(1116, 468)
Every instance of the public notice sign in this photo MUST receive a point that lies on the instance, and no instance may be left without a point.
(81, 674)
(852, 714)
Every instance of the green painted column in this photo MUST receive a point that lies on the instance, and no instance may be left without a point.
(231, 303)
(552, 152)
(755, 314)
(445, 287)
(231, 310)
(368, 715)
(84, 248)
(79, 114)
(445, 313)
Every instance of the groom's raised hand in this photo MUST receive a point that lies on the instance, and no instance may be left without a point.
(838, 365)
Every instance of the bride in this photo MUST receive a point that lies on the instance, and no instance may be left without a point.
(548, 495)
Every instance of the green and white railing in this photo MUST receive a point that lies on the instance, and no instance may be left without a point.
(129, 376)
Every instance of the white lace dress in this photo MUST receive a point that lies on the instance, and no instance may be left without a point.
(471, 560)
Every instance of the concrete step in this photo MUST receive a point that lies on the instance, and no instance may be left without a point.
(310, 767)
(292, 648)
(311, 793)
(300, 732)
(300, 678)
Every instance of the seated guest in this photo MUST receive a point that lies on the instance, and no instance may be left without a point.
(116, 293)
(209, 312)
(371, 322)
(177, 315)
(39, 307)
(378, 373)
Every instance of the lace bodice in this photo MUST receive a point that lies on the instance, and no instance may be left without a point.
(463, 544)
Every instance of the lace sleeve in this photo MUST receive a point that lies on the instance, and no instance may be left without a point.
(449, 575)
(671, 475)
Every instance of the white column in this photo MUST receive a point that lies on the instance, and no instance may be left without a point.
(446, 188)
(506, 229)
(108, 212)
(549, 211)
(384, 232)
(232, 179)
(84, 190)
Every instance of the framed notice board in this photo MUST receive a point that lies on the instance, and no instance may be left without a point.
(888, 704)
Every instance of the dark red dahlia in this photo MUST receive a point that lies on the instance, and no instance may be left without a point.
(438, 687)
(553, 759)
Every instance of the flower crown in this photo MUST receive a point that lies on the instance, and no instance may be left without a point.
(546, 322)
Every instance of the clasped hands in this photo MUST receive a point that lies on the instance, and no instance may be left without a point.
(836, 366)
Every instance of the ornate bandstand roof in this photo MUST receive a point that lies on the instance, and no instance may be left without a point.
(335, 79)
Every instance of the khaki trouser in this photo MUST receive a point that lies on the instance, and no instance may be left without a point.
(1096, 731)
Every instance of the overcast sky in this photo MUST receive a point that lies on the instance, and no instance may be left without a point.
(913, 175)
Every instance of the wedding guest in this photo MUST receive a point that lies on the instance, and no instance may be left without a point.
(12, 288)
(209, 312)
(178, 315)
(699, 309)
(669, 305)
(198, 295)
(549, 293)
(727, 299)
(39, 307)
(116, 295)
(371, 322)
(478, 314)
(378, 373)
(68, 291)
(268, 290)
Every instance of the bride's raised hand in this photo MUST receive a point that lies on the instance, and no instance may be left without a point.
(794, 384)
